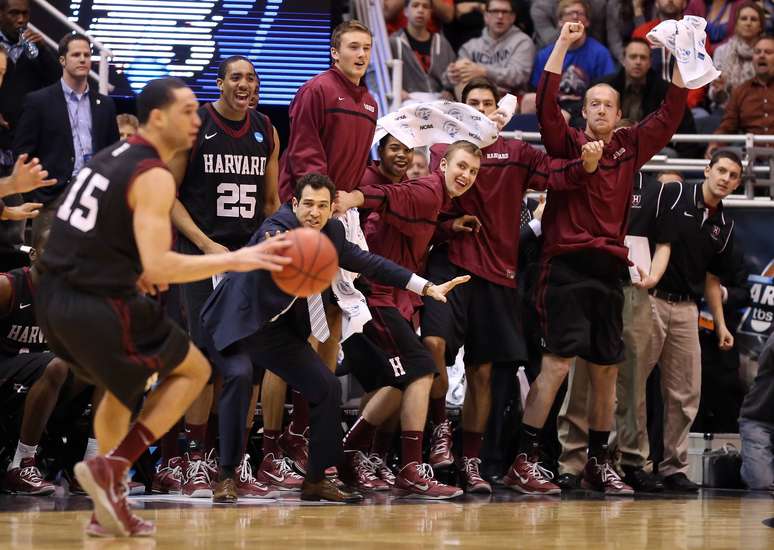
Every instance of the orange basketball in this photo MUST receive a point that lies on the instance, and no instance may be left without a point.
(314, 263)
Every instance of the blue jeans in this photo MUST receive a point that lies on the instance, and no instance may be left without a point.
(757, 453)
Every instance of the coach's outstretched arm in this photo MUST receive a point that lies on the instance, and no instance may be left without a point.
(151, 198)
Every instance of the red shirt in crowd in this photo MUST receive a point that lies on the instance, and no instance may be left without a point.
(332, 123)
(594, 216)
(508, 168)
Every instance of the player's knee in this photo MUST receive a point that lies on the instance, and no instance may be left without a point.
(56, 372)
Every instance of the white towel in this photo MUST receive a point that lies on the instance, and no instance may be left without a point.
(355, 313)
(686, 41)
(425, 124)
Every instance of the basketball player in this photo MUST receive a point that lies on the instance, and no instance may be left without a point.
(252, 322)
(579, 295)
(110, 239)
(482, 316)
(228, 185)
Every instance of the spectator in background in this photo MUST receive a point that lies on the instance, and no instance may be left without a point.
(603, 15)
(756, 425)
(586, 61)
(467, 24)
(642, 91)
(419, 166)
(425, 55)
(661, 59)
(751, 107)
(65, 123)
(127, 125)
(719, 14)
(395, 18)
(735, 58)
(26, 71)
(503, 53)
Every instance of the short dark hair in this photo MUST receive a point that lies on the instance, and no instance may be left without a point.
(479, 83)
(638, 40)
(511, 2)
(726, 154)
(224, 65)
(464, 146)
(64, 43)
(315, 181)
(345, 27)
(386, 138)
(157, 94)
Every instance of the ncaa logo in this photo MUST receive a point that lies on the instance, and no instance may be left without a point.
(451, 128)
(423, 113)
(455, 113)
(683, 54)
(258, 137)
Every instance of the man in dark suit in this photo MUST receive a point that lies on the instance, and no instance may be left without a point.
(642, 91)
(65, 124)
(251, 323)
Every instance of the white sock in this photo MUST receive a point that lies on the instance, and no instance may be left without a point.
(22, 451)
(92, 449)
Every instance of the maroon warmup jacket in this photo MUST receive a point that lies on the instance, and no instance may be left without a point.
(595, 216)
(508, 168)
(409, 213)
(332, 123)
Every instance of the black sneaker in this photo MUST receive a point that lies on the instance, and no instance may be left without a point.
(568, 482)
(679, 483)
(642, 481)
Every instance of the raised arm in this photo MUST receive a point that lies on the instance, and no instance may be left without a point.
(151, 198)
(545, 172)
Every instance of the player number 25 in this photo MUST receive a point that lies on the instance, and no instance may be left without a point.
(84, 215)
(235, 201)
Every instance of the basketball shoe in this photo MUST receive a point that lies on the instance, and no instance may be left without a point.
(440, 445)
(527, 476)
(139, 528)
(470, 475)
(197, 482)
(27, 479)
(104, 479)
(359, 472)
(249, 487)
(295, 446)
(168, 478)
(599, 475)
(278, 472)
(418, 481)
(384, 472)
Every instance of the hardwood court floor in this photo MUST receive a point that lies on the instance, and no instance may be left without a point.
(714, 520)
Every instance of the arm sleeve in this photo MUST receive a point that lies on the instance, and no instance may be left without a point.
(306, 152)
(112, 131)
(723, 263)
(557, 136)
(654, 132)
(25, 138)
(515, 72)
(408, 207)
(384, 271)
(664, 228)
(545, 172)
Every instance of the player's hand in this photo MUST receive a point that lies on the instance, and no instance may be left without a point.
(500, 119)
(591, 153)
(146, 287)
(570, 33)
(26, 177)
(345, 200)
(538, 213)
(466, 224)
(264, 255)
(25, 211)
(725, 338)
(211, 247)
(32, 36)
(4, 123)
(439, 292)
(646, 281)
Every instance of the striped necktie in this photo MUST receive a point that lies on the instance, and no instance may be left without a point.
(317, 318)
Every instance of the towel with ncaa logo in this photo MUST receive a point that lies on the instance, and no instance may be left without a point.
(685, 40)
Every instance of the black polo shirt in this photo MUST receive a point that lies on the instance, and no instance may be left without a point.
(650, 213)
(702, 241)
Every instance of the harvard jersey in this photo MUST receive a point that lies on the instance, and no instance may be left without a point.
(19, 330)
(92, 244)
(224, 185)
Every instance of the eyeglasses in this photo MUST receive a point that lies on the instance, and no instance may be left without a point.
(499, 12)
(574, 13)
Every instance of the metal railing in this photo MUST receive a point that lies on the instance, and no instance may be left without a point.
(104, 52)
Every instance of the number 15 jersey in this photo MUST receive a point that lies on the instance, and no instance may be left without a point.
(224, 184)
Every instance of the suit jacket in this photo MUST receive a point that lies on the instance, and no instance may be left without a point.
(44, 131)
(243, 303)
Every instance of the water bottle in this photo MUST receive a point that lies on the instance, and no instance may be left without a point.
(30, 48)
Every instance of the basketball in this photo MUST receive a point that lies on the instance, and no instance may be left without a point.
(314, 263)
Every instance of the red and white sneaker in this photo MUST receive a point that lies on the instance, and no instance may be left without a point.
(103, 478)
(168, 479)
(417, 480)
(470, 475)
(359, 472)
(248, 487)
(383, 471)
(211, 463)
(135, 487)
(197, 483)
(139, 528)
(27, 479)
(440, 446)
(278, 472)
(603, 477)
(527, 476)
(295, 446)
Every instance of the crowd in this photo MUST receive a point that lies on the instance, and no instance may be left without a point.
(596, 283)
